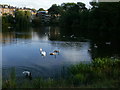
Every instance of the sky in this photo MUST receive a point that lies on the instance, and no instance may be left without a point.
(40, 3)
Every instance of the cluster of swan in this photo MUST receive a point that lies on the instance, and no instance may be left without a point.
(43, 53)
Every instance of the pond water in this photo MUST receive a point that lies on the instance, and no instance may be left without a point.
(21, 49)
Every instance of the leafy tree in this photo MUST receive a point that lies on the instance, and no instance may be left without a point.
(22, 18)
(54, 9)
(55, 12)
(7, 21)
(67, 6)
(41, 9)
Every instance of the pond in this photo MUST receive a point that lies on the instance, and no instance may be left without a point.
(21, 49)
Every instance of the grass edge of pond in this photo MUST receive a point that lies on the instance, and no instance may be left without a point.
(101, 73)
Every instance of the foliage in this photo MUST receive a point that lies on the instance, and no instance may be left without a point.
(54, 11)
(11, 83)
(7, 21)
(41, 9)
(22, 18)
(101, 20)
(97, 71)
(101, 72)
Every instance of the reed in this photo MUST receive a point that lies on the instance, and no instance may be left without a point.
(101, 72)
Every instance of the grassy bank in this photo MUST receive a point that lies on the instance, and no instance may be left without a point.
(103, 73)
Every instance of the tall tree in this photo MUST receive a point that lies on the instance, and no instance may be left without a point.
(41, 9)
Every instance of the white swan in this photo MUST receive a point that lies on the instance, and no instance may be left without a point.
(43, 53)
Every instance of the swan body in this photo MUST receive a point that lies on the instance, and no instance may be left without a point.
(43, 53)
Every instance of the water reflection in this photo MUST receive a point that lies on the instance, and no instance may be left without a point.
(54, 33)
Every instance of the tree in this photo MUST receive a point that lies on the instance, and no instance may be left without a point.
(22, 18)
(7, 21)
(54, 9)
(67, 6)
(41, 9)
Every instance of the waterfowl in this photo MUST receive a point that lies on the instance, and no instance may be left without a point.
(72, 36)
(112, 57)
(89, 50)
(108, 43)
(95, 46)
(52, 53)
(9, 27)
(27, 74)
(57, 51)
(43, 53)
(75, 37)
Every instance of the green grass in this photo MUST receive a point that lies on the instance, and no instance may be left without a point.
(100, 73)
(100, 70)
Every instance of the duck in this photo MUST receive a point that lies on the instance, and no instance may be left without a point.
(52, 53)
(27, 74)
(43, 53)
(56, 51)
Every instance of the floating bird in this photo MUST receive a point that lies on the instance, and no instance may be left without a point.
(89, 50)
(108, 43)
(52, 53)
(28, 74)
(9, 27)
(95, 46)
(43, 53)
(72, 36)
(57, 51)
(112, 57)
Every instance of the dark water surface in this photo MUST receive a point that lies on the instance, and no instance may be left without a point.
(20, 49)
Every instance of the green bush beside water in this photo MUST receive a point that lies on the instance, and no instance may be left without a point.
(103, 72)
